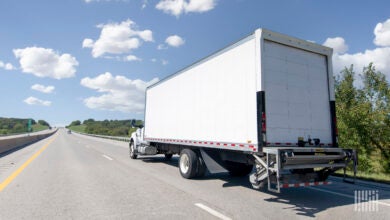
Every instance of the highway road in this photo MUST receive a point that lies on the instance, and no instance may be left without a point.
(70, 176)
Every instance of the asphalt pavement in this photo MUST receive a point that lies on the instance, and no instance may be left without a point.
(71, 176)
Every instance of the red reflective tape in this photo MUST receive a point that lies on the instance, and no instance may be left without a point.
(288, 143)
(307, 184)
(211, 143)
(254, 149)
(316, 183)
(296, 185)
(241, 145)
(233, 145)
(224, 144)
(277, 143)
(218, 144)
(285, 186)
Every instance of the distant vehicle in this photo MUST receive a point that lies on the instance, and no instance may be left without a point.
(69, 132)
(265, 102)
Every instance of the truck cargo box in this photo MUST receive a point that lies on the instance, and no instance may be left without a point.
(267, 89)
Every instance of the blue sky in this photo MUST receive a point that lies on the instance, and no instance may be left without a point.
(71, 60)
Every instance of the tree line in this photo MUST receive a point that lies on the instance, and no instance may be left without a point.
(18, 125)
(109, 127)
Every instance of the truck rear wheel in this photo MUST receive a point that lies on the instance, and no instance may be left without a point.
(238, 169)
(188, 163)
(132, 153)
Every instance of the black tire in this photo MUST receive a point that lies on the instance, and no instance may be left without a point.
(201, 167)
(188, 163)
(168, 156)
(132, 153)
(238, 169)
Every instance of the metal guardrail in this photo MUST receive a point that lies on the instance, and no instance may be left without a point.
(124, 139)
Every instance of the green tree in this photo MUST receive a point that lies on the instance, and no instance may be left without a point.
(363, 116)
(75, 123)
(43, 122)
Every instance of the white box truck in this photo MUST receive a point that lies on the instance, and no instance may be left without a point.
(265, 102)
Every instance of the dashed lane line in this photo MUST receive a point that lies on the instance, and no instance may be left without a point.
(107, 157)
(212, 211)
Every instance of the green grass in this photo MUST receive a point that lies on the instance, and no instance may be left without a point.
(376, 177)
(39, 127)
(78, 128)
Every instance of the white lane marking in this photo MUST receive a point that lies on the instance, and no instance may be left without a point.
(212, 211)
(107, 157)
(344, 195)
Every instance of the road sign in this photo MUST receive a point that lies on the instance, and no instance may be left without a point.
(29, 128)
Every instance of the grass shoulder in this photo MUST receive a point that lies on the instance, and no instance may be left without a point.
(78, 128)
(375, 177)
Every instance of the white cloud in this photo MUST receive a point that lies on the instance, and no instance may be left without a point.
(132, 58)
(34, 101)
(119, 93)
(164, 62)
(174, 41)
(42, 88)
(6, 66)
(382, 34)
(162, 47)
(177, 7)
(118, 38)
(379, 56)
(44, 62)
(144, 4)
(338, 45)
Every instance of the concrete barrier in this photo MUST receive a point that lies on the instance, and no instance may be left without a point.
(10, 143)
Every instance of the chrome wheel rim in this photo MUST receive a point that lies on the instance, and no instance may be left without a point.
(184, 163)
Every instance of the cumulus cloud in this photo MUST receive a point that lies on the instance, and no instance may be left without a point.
(35, 101)
(132, 58)
(164, 62)
(6, 66)
(162, 47)
(382, 34)
(118, 38)
(338, 45)
(42, 88)
(119, 93)
(144, 4)
(177, 7)
(380, 56)
(174, 41)
(43, 62)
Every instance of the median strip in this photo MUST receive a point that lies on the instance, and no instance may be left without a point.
(10, 178)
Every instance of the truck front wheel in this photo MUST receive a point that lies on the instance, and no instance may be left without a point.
(133, 155)
(188, 163)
